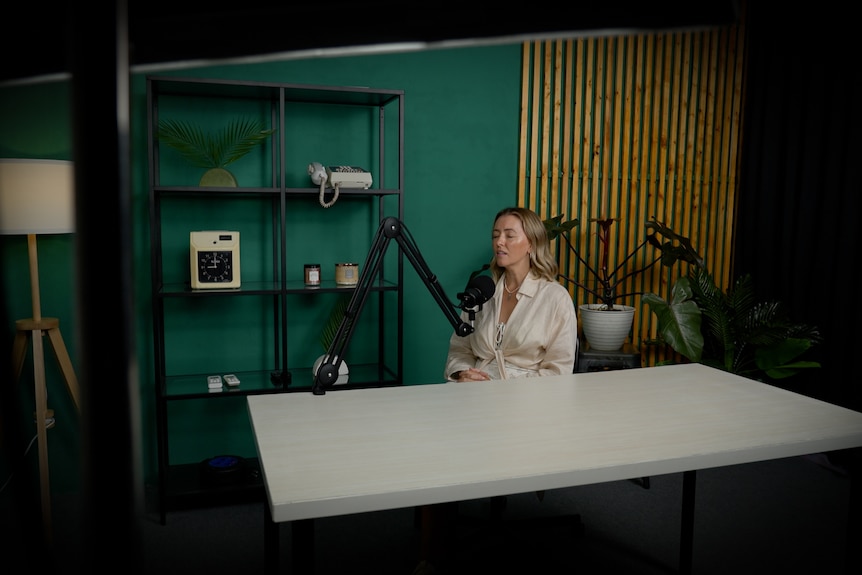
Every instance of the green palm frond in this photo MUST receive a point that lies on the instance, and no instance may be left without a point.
(330, 328)
(207, 150)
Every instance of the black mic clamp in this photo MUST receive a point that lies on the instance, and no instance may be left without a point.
(479, 290)
(470, 299)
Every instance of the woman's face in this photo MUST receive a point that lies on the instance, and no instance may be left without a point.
(509, 242)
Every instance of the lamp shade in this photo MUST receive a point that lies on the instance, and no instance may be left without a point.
(37, 197)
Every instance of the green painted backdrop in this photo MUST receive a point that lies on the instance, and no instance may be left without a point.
(461, 145)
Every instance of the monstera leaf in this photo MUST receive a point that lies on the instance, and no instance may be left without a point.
(679, 320)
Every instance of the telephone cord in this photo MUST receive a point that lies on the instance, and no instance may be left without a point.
(334, 197)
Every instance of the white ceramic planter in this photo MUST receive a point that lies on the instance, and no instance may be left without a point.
(606, 330)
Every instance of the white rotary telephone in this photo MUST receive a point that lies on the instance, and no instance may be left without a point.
(338, 177)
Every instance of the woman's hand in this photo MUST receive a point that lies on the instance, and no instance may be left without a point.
(472, 374)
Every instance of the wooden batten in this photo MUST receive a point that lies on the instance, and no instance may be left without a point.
(634, 127)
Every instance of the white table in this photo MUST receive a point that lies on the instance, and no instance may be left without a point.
(354, 451)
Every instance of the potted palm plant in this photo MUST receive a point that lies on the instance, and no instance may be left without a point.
(214, 151)
(606, 322)
(731, 330)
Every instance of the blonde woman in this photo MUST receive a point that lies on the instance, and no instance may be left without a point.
(529, 327)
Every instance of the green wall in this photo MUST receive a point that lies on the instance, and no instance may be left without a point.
(35, 123)
(461, 145)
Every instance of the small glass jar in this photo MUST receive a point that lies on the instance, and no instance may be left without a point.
(346, 274)
(312, 274)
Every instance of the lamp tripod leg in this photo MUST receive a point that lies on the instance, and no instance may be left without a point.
(65, 362)
(35, 330)
(42, 431)
(19, 351)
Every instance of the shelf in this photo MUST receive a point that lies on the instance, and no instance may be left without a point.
(361, 376)
(195, 386)
(344, 192)
(247, 288)
(182, 387)
(167, 191)
(306, 93)
(277, 318)
(589, 359)
(329, 286)
(269, 288)
(188, 487)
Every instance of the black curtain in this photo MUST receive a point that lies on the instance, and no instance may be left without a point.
(797, 222)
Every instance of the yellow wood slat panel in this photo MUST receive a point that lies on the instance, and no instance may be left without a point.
(537, 85)
(662, 112)
(640, 156)
(547, 173)
(566, 170)
(688, 193)
(580, 167)
(675, 211)
(619, 201)
(633, 127)
(526, 52)
(697, 117)
(735, 44)
(554, 169)
(736, 68)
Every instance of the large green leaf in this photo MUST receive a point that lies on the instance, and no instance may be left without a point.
(777, 360)
(739, 334)
(555, 226)
(789, 369)
(679, 321)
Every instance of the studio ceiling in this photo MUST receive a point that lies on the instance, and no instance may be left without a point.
(160, 31)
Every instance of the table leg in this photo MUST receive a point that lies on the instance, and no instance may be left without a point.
(302, 542)
(853, 557)
(270, 542)
(686, 542)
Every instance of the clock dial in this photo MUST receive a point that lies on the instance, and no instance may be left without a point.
(215, 266)
(214, 259)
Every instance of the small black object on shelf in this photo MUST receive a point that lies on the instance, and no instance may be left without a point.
(627, 357)
(224, 470)
(280, 378)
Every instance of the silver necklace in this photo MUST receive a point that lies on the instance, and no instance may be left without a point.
(506, 287)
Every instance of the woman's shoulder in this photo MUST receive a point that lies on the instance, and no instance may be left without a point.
(553, 287)
(548, 283)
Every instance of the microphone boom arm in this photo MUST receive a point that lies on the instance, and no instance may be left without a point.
(390, 228)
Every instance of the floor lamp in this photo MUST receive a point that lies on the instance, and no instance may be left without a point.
(37, 197)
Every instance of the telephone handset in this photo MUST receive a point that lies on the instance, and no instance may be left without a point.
(338, 177)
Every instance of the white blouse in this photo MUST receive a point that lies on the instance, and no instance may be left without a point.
(540, 338)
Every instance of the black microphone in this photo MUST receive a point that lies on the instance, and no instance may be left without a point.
(479, 290)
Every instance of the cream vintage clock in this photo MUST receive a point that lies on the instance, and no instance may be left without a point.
(214, 259)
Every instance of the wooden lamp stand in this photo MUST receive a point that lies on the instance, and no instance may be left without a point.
(33, 330)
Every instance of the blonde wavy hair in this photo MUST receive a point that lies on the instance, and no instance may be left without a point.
(542, 263)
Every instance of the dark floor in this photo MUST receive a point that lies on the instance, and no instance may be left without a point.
(782, 516)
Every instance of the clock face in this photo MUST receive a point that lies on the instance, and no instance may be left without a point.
(214, 260)
(215, 266)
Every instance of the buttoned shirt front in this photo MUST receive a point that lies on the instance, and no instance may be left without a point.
(539, 338)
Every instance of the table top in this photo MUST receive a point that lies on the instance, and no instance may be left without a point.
(352, 451)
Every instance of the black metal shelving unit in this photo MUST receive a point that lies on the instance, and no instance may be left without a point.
(182, 484)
